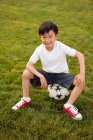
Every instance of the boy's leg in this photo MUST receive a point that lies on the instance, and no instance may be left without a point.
(25, 100)
(26, 77)
(68, 107)
(26, 81)
(75, 94)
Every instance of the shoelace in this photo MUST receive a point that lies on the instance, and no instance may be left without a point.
(73, 109)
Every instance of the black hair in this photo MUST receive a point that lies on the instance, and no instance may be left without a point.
(45, 27)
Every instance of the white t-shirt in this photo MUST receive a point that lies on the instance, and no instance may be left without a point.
(53, 61)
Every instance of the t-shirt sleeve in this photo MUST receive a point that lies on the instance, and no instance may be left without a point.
(35, 56)
(69, 51)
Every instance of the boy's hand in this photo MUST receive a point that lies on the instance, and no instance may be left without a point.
(43, 82)
(79, 79)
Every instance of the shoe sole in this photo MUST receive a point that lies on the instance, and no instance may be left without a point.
(77, 118)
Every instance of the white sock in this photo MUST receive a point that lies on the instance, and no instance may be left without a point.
(27, 98)
(67, 105)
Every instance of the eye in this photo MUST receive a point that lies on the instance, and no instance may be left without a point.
(51, 36)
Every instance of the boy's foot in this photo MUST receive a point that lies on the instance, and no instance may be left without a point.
(73, 112)
(22, 103)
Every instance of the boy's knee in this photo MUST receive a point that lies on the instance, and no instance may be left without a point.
(26, 74)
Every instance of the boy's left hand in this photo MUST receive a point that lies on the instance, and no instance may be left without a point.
(79, 79)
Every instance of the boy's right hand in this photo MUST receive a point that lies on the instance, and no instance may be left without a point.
(43, 82)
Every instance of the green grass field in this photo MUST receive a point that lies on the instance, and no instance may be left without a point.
(44, 119)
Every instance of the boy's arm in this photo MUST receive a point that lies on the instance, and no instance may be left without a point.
(31, 68)
(80, 78)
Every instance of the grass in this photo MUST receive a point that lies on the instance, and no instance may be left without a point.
(44, 119)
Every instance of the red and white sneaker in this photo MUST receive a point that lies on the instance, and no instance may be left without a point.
(73, 112)
(22, 103)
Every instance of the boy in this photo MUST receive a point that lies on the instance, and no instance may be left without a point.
(52, 54)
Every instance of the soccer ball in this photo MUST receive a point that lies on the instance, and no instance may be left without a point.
(57, 92)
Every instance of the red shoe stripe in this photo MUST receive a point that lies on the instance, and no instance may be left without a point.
(16, 106)
(24, 101)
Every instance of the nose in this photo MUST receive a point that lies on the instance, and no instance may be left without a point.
(47, 40)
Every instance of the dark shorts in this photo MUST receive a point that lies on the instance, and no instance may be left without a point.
(64, 79)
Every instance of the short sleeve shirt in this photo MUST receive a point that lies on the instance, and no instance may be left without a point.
(53, 61)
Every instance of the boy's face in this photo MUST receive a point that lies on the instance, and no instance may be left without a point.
(48, 39)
